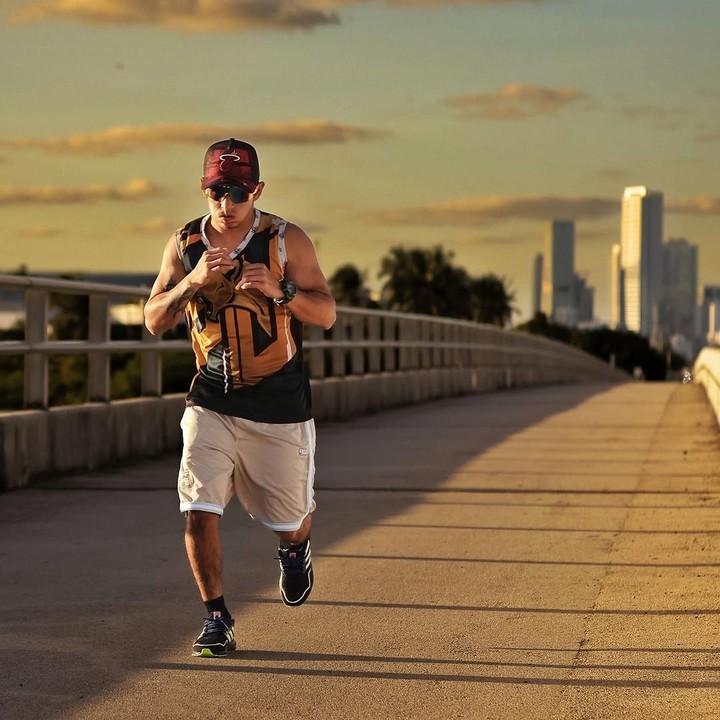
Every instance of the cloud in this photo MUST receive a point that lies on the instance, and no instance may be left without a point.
(150, 226)
(444, 3)
(56, 194)
(489, 209)
(492, 208)
(472, 239)
(184, 15)
(515, 101)
(652, 111)
(709, 92)
(209, 15)
(39, 231)
(126, 138)
(700, 205)
(708, 137)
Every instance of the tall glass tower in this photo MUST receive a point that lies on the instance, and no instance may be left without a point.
(680, 287)
(641, 257)
(559, 272)
(617, 306)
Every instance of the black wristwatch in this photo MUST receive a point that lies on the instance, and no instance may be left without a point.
(289, 289)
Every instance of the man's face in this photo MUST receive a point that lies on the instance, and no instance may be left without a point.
(231, 206)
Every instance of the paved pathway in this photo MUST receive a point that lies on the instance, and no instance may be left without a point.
(540, 553)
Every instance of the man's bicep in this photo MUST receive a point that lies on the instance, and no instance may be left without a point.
(171, 271)
(303, 267)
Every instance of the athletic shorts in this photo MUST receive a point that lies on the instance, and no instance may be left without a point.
(270, 467)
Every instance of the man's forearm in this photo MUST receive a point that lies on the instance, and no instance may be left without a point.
(163, 311)
(314, 308)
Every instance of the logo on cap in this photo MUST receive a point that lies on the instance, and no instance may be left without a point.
(231, 157)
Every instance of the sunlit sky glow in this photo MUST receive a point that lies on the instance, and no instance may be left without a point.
(415, 122)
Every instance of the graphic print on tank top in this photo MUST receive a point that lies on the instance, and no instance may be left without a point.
(239, 337)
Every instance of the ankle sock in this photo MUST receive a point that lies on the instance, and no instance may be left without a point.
(294, 546)
(217, 605)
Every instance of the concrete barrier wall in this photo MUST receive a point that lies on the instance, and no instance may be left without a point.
(707, 372)
(40, 443)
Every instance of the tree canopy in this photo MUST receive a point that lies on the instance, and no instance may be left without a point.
(425, 281)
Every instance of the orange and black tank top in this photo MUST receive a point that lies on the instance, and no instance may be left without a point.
(248, 350)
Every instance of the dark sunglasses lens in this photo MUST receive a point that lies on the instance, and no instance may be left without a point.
(238, 195)
(218, 192)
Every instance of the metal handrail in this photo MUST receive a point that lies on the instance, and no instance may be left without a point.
(361, 341)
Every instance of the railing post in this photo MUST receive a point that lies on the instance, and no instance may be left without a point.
(447, 338)
(425, 337)
(316, 355)
(357, 334)
(98, 387)
(338, 354)
(403, 336)
(456, 353)
(436, 335)
(467, 354)
(36, 363)
(373, 354)
(389, 353)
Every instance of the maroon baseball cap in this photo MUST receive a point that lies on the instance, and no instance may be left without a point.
(232, 162)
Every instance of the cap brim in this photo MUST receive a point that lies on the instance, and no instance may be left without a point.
(250, 186)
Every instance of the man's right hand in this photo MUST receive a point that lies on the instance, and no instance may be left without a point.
(212, 261)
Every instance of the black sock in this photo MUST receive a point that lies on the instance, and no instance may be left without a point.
(293, 546)
(217, 605)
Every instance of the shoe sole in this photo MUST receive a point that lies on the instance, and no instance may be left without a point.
(208, 653)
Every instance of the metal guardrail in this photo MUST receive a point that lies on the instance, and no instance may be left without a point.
(706, 372)
(361, 341)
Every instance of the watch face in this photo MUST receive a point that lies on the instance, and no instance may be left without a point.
(290, 288)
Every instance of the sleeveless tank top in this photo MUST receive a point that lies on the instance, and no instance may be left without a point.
(248, 350)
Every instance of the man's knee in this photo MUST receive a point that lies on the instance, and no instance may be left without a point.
(296, 537)
(293, 538)
(198, 521)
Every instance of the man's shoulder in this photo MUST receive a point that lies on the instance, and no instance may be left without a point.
(283, 226)
(192, 227)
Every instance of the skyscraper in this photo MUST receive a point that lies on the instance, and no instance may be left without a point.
(641, 259)
(617, 306)
(537, 284)
(680, 288)
(583, 300)
(558, 272)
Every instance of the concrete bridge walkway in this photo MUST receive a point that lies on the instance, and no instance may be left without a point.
(540, 553)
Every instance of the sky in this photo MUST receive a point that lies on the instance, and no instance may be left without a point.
(468, 124)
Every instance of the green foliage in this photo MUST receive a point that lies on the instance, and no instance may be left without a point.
(629, 349)
(425, 281)
(67, 379)
(490, 300)
(12, 379)
(347, 285)
(69, 315)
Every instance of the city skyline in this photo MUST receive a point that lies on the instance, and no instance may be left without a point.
(641, 256)
(415, 123)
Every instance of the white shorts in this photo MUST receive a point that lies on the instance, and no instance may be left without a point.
(270, 467)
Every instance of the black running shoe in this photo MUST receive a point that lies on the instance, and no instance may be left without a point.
(296, 574)
(217, 638)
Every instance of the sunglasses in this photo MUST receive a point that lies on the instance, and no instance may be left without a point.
(219, 191)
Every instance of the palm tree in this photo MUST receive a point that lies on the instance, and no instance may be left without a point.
(491, 301)
(347, 285)
(424, 280)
